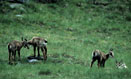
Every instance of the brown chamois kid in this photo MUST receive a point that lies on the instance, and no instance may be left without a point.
(40, 43)
(16, 46)
(101, 57)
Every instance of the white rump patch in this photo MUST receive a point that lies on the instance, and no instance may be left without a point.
(10, 46)
(94, 54)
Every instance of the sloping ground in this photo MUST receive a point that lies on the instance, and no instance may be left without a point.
(73, 29)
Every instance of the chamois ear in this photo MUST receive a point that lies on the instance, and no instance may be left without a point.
(25, 39)
(22, 38)
(111, 49)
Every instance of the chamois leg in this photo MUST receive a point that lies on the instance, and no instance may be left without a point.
(99, 63)
(19, 55)
(9, 56)
(93, 60)
(44, 54)
(14, 55)
(104, 64)
(34, 51)
(38, 51)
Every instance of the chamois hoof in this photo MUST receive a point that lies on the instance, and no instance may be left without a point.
(10, 63)
(45, 59)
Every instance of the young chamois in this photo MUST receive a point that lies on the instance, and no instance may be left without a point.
(121, 65)
(16, 46)
(101, 57)
(40, 43)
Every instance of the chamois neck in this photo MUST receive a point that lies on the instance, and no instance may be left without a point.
(21, 45)
(30, 42)
(107, 56)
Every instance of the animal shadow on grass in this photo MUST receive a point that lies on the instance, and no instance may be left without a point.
(6, 62)
(55, 58)
(73, 60)
(3, 61)
(26, 60)
(65, 58)
(52, 58)
(47, 72)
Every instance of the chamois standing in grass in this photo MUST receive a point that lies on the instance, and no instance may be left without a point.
(16, 46)
(101, 57)
(39, 43)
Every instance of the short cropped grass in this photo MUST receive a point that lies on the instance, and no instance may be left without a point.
(73, 31)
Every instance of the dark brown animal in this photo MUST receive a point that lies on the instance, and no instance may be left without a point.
(39, 43)
(101, 57)
(16, 46)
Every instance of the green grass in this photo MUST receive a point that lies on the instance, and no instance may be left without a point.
(73, 33)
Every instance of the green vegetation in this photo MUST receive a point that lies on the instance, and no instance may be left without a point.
(73, 28)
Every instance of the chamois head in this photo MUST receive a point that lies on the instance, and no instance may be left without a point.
(45, 42)
(111, 54)
(25, 43)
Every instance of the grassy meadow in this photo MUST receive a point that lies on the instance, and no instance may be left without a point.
(73, 30)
